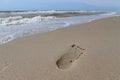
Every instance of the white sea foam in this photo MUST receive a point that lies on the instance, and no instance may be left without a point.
(6, 39)
(9, 20)
(110, 13)
(17, 20)
(18, 26)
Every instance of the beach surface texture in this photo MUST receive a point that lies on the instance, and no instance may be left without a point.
(89, 51)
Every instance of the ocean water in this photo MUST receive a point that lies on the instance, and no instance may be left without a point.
(15, 24)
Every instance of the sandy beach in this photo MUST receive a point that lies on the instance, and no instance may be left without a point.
(88, 51)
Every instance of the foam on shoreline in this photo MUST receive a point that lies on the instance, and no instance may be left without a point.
(19, 26)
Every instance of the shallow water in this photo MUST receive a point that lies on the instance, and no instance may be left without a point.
(19, 24)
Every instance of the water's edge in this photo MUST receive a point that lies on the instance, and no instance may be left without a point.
(40, 24)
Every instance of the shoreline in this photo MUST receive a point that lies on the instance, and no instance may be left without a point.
(37, 33)
(93, 48)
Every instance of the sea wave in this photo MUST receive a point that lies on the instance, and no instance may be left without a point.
(46, 12)
(110, 13)
(17, 20)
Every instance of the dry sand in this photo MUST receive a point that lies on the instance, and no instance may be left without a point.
(89, 51)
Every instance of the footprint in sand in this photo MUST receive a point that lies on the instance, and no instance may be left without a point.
(67, 59)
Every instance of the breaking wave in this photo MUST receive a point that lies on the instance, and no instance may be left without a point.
(17, 20)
